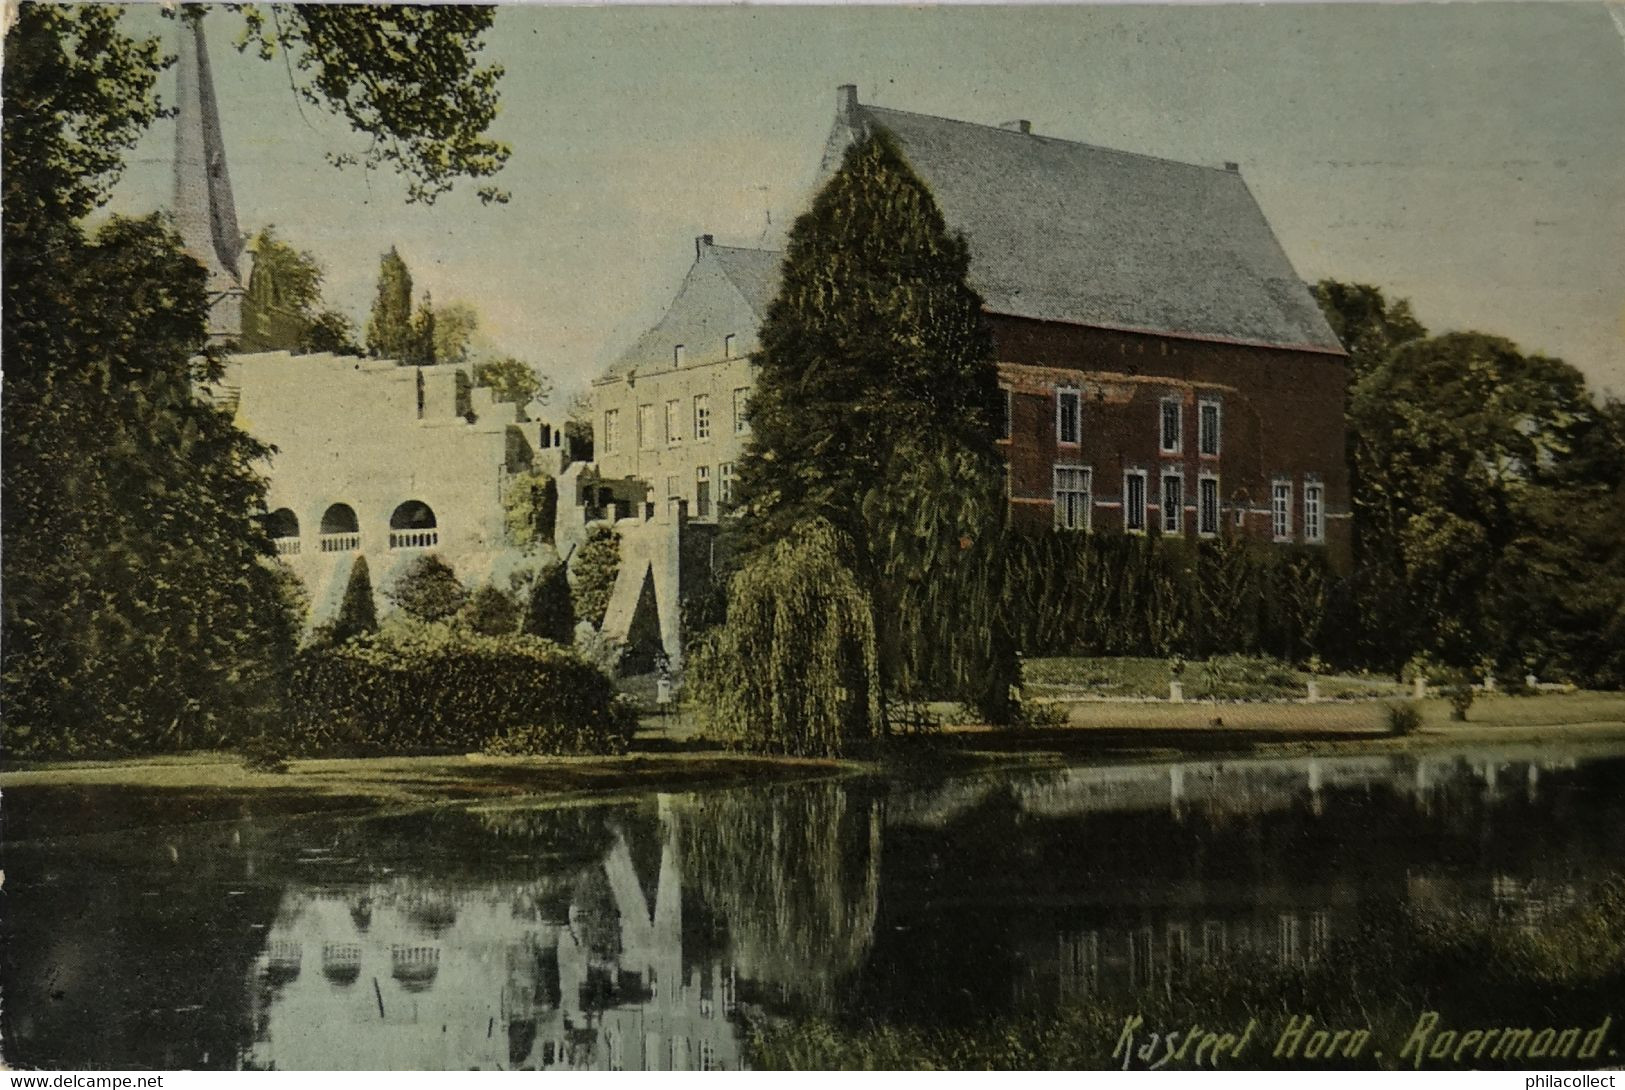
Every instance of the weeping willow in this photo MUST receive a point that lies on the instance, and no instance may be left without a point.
(795, 669)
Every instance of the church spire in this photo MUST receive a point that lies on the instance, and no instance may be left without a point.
(205, 214)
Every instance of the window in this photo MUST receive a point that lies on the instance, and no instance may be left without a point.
(702, 492)
(741, 396)
(1173, 503)
(679, 355)
(673, 495)
(725, 483)
(1134, 501)
(1314, 525)
(702, 416)
(674, 422)
(612, 430)
(1068, 427)
(1071, 498)
(647, 438)
(728, 346)
(1207, 440)
(1172, 426)
(1281, 510)
(1207, 505)
(1004, 422)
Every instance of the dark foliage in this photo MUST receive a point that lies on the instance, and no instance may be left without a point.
(873, 411)
(369, 696)
(358, 614)
(550, 612)
(429, 590)
(491, 612)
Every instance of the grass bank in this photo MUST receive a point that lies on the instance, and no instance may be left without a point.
(51, 799)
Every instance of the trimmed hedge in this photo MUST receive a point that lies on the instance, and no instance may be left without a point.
(371, 696)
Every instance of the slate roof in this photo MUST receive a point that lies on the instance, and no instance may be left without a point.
(1070, 232)
(727, 291)
(756, 273)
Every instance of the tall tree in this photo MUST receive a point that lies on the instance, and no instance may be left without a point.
(875, 335)
(389, 329)
(422, 345)
(876, 340)
(1465, 441)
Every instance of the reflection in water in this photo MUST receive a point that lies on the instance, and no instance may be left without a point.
(643, 936)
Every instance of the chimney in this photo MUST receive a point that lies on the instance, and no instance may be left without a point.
(1234, 168)
(701, 244)
(1023, 126)
(846, 102)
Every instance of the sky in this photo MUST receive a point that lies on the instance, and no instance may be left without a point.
(1467, 156)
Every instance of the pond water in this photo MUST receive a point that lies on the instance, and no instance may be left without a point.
(650, 934)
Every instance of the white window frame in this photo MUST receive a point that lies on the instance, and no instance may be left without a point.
(728, 342)
(1314, 512)
(1145, 500)
(674, 422)
(702, 417)
(1173, 515)
(741, 403)
(1061, 395)
(1178, 407)
(612, 430)
(702, 492)
(1281, 509)
(1202, 432)
(1202, 485)
(1084, 505)
(679, 355)
(646, 427)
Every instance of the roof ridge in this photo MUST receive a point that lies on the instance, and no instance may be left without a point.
(744, 249)
(1054, 139)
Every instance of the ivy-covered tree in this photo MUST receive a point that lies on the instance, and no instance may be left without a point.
(389, 329)
(876, 355)
(357, 615)
(596, 567)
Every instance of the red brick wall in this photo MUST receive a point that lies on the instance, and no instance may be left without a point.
(1281, 418)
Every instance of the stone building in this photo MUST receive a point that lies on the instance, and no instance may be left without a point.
(388, 462)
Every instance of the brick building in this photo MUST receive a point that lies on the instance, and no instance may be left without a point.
(1163, 365)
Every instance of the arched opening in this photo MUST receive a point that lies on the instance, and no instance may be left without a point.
(283, 527)
(413, 526)
(341, 530)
